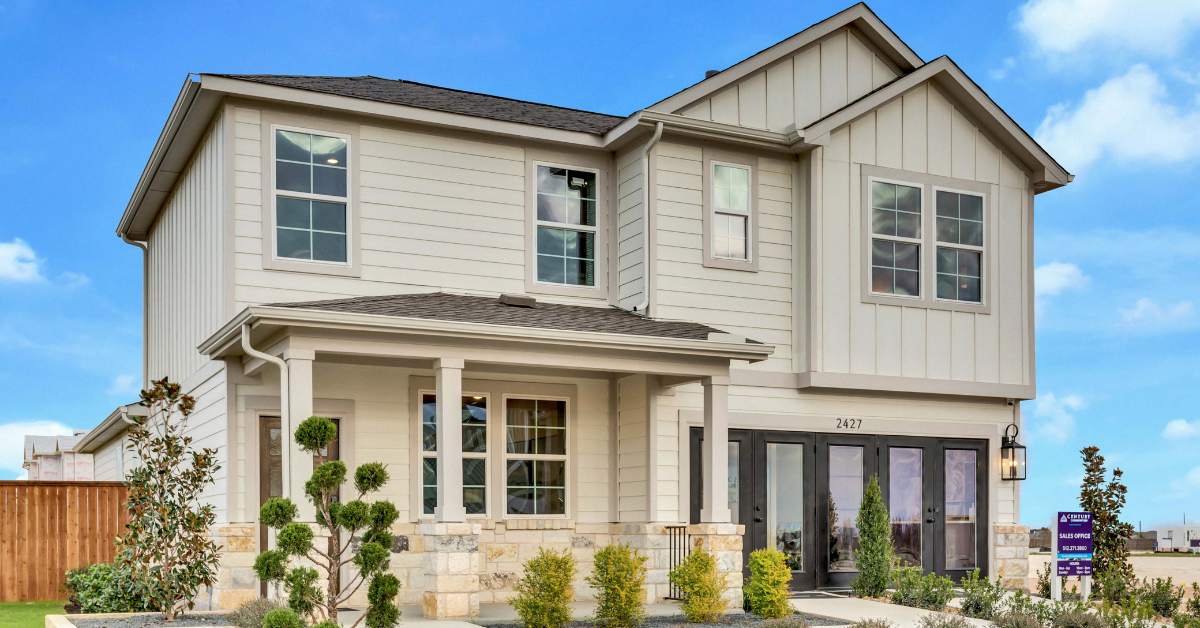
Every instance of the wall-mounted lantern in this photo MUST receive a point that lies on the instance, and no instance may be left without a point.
(1012, 455)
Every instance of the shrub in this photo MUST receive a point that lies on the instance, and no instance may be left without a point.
(1080, 620)
(1010, 619)
(907, 583)
(1043, 580)
(874, 622)
(1045, 613)
(943, 620)
(544, 592)
(702, 585)
(1115, 586)
(1186, 621)
(252, 613)
(767, 592)
(103, 588)
(1132, 615)
(874, 558)
(1192, 607)
(619, 576)
(1162, 596)
(931, 591)
(282, 618)
(981, 597)
(791, 621)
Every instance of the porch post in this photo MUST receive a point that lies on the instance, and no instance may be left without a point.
(714, 455)
(298, 464)
(448, 374)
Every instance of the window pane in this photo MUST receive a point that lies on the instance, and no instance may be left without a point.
(521, 411)
(551, 413)
(739, 179)
(429, 422)
(946, 288)
(883, 196)
(552, 441)
(520, 501)
(328, 150)
(883, 222)
(550, 501)
(968, 263)
(906, 256)
(905, 471)
(959, 275)
(882, 280)
(329, 216)
(947, 230)
(947, 204)
(881, 253)
(960, 508)
(580, 272)
(293, 177)
(429, 485)
(520, 473)
(908, 225)
(582, 184)
(329, 247)
(293, 243)
(908, 199)
(908, 283)
(552, 208)
(475, 500)
(845, 495)
(895, 268)
(474, 472)
(329, 181)
(968, 289)
(947, 260)
(970, 207)
(292, 146)
(550, 473)
(971, 232)
(550, 269)
(552, 180)
(292, 212)
(785, 504)
(731, 189)
(551, 241)
(737, 248)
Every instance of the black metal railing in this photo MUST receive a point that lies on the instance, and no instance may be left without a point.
(677, 550)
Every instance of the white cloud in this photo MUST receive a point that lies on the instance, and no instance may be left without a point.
(1001, 73)
(1148, 313)
(1053, 278)
(1127, 118)
(125, 385)
(1191, 480)
(12, 440)
(1157, 27)
(17, 262)
(1179, 428)
(73, 280)
(1055, 417)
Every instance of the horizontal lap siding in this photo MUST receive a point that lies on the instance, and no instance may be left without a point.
(921, 132)
(630, 238)
(755, 304)
(207, 427)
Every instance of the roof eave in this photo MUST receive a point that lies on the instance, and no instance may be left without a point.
(112, 425)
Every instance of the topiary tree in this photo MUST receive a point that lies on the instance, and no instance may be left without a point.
(166, 544)
(295, 540)
(768, 591)
(874, 559)
(1105, 499)
(619, 576)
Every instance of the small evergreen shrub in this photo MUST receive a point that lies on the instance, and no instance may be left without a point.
(282, 618)
(619, 577)
(874, 622)
(104, 588)
(1045, 613)
(1192, 607)
(943, 620)
(767, 592)
(1132, 615)
(1161, 595)
(874, 558)
(544, 592)
(1080, 620)
(931, 591)
(791, 621)
(1043, 580)
(1009, 619)
(1115, 587)
(1186, 621)
(981, 597)
(252, 613)
(703, 587)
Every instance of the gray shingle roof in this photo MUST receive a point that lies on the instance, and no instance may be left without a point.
(402, 92)
(467, 309)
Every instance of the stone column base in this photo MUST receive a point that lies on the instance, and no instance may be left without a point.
(236, 581)
(724, 542)
(1012, 555)
(453, 564)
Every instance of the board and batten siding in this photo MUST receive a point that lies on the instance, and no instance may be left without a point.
(921, 132)
(800, 89)
(185, 302)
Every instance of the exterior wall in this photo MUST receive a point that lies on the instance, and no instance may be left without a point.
(922, 132)
(801, 89)
(629, 229)
(186, 265)
(110, 461)
(207, 428)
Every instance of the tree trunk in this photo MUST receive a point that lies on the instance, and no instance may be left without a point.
(335, 576)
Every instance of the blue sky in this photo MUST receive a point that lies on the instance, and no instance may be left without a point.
(86, 87)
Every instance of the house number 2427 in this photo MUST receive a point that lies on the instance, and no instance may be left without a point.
(849, 424)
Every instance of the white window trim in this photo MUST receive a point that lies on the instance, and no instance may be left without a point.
(713, 158)
(565, 457)
(600, 252)
(485, 456)
(920, 242)
(982, 250)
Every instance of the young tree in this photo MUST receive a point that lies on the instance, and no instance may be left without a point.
(874, 560)
(295, 539)
(1105, 499)
(166, 544)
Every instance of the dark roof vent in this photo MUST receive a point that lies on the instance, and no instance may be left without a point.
(518, 300)
(711, 73)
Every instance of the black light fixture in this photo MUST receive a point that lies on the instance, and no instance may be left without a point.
(1012, 455)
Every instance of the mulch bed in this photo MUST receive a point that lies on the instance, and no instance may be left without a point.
(155, 621)
(739, 620)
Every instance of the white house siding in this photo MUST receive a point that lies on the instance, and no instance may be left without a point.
(106, 463)
(629, 229)
(207, 428)
(633, 449)
(185, 286)
(756, 304)
(922, 132)
(801, 89)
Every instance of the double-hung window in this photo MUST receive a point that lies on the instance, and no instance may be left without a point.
(566, 226)
(895, 238)
(959, 245)
(730, 212)
(475, 452)
(311, 183)
(536, 456)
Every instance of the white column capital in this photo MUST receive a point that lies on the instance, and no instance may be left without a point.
(716, 380)
(449, 363)
(299, 354)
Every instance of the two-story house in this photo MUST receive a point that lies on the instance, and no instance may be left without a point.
(728, 310)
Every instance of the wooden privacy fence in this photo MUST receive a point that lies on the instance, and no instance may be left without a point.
(48, 528)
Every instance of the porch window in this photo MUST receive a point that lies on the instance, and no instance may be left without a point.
(566, 226)
(960, 246)
(310, 196)
(474, 443)
(536, 460)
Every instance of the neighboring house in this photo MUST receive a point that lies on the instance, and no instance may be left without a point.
(54, 459)
(730, 309)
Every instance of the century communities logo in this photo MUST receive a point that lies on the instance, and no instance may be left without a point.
(1075, 517)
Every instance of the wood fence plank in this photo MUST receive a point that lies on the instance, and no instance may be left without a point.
(7, 538)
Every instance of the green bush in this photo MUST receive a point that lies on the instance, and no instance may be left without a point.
(1043, 580)
(544, 592)
(104, 588)
(1186, 621)
(874, 622)
(1080, 620)
(767, 592)
(1045, 613)
(931, 591)
(1134, 614)
(791, 621)
(1116, 587)
(981, 597)
(619, 576)
(874, 557)
(703, 587)
(282, 618)
(251, 614)
(1161, 595)
(1010, 619)
(1192, 607)
(943, 620)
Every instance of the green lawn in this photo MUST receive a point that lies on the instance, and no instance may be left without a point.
(27, 614)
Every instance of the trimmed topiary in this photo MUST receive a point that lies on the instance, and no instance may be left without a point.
(619, 576)
(703, 587)
(544, 593)
(282, 618)
(768, 591)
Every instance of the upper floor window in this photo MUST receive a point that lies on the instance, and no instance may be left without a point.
(731, 212)
(566, 226)
(311, 182)
(960, 246)
(895, 239)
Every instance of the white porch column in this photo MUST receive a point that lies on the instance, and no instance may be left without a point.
(448, 375)
(715, 453)
(298, 465)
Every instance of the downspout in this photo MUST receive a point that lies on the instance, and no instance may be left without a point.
(645, 304)
(285, 419)
(145, 307)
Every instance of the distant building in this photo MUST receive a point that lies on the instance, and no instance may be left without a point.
(1176, 537)
(52, 458)
(1040, 538)
(87, 455)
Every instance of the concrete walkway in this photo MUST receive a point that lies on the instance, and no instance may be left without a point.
(852, 609)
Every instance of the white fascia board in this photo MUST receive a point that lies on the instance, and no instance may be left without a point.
(229, 336)
(109, 428)
(792, 141)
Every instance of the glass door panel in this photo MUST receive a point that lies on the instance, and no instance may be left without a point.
(735, 481)
(785, 501)
(960, 509)
(906, 502)
(845, 495)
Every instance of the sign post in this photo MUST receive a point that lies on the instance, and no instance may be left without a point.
(1072, 552)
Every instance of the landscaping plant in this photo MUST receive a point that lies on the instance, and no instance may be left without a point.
(768, 591)
(1045, 613)
(874, 622)
(104, 588)
(1132, 615)
(1189, 615)
(544, 592)
(1009, 619)
(703, 587)
(282, 618)
(1116, 586)
(1161, 595)
(294, 540)
(791, 621)
(166, 545)
(931, 591)
(981, 597)
(1105, 499)
(874, 557)
(619, 576)
(943, 620)
(252, 613)
(1080, 620)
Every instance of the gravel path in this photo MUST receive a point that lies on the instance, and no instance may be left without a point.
(155, 621)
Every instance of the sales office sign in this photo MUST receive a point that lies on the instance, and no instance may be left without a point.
(1074, 547)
